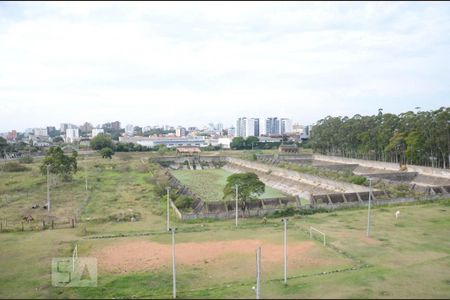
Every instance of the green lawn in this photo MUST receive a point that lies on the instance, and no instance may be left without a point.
(209, 184)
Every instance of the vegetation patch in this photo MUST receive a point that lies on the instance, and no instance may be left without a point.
(13, 166)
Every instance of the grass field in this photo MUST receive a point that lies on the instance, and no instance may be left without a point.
(404, 258)
(209, 184)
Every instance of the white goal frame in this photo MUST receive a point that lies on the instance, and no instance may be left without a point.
(317, 230)
(74, 256)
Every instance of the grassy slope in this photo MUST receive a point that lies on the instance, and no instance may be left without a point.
(209, 184)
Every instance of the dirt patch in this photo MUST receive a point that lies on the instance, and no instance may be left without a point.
(129, 256)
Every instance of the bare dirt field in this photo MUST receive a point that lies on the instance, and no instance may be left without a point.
(133, 256)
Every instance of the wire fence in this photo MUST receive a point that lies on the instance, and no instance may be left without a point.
(36, 225)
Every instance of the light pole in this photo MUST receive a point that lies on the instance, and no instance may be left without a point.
(258, 273)
(168, 200)
(174, 270)
(237, 209)
(85, 177)
(368, 211)
(48, 188)
(448, 142)
(285, 220)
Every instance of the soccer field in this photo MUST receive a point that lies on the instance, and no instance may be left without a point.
(209, 184)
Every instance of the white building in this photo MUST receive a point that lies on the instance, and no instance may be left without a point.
(246, 127)
(40, 132)
(65, 126)
(169, 142)
(72, 135)
(286, 126)
(97, 131)
(180, 131)
(224, 142)
(129, 130)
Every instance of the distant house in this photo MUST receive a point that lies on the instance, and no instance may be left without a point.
(188, 151)
(287, 148)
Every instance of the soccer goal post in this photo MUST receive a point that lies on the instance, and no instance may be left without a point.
(311, 229)
(74, 256)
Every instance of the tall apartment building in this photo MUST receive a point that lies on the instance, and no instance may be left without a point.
(72, 134)
(286, 126)
(272, 126)
(246, 127)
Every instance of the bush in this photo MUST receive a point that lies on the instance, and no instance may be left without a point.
(14, 167)
(26, 160)
(361, 180)
(184, 202)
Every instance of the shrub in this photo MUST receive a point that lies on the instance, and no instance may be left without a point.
(184, 202)
(13, 166)
(26, 160)
(361, 180)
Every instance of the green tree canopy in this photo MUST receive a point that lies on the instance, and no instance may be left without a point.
(102, 141)
(238, 143)
(410, 137)
(107, 152)
(60, 163)
(249, 187)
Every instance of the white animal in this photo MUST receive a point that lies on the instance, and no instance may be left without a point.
(397, 213)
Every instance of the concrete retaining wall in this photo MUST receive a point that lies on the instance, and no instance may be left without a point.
(300, 177)
(445, 173)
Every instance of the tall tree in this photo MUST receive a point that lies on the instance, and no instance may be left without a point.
(60, 163)
(249, 187)
(102, 141)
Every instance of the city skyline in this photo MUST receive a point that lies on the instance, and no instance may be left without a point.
(156, 63)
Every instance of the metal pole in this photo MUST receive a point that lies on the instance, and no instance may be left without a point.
(237, 210)
(258, 272)
(285, 250)
(85, 177)
(168, 200)
(174, 271)
(48, 188)
(368, 211)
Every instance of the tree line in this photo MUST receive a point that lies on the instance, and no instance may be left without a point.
(420, 138)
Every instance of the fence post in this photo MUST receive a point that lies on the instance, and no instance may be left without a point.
(53, 225)
(1, 226)
(22, 225)
(73, 223)
(43, 225)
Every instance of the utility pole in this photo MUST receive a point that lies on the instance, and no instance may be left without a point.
(85, 177)
(174, 271)
(258, 273)
(237, 209)
(48, 188)
(368, 211)
(168, 200)
(285, 250)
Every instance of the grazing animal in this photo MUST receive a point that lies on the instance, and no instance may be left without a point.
(397, 213)
(28, 218)
(35, 206)
(44, 207)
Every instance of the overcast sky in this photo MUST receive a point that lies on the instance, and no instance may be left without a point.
(195, 63)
